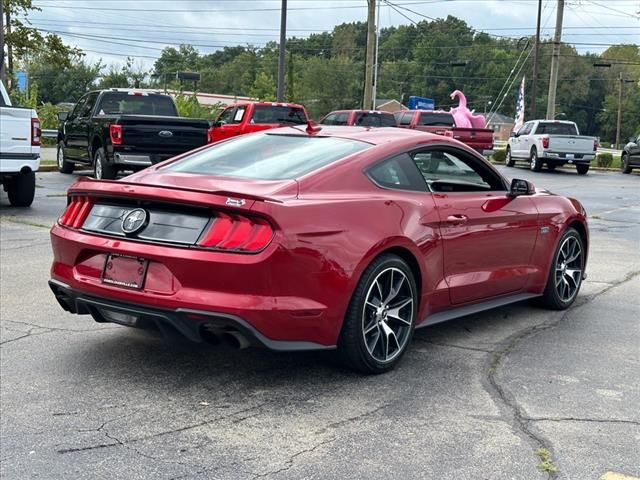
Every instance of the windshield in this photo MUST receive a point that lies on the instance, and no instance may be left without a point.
(436, 119)
(557, 129)
(278, 114)
(268, 156)
(125, 103)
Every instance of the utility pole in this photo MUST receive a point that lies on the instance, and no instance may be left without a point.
(3, 77)
(534, 84)
(375, 62)
(281, 59)
(619, 122)
(555, 63)
(368, 73)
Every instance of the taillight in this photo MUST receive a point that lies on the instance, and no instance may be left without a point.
(237, 233)
(115, 132)
(76, 212)
(545, 142)
(36, 132)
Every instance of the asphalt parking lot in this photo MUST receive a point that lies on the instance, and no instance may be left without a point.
(515, 393)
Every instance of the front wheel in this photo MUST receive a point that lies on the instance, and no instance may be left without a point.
(567, 270)
(63, 165)
(508, 159)
(21, 189)
(582, 168)
(101, 169)
(535, 162)
(381, 317)
(624, 164)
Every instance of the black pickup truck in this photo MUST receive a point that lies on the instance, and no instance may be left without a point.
(113, 130)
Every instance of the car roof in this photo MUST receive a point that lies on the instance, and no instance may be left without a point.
(270, 104)
(372, 135)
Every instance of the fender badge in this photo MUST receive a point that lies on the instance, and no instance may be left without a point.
(544, 230)
(235, 202)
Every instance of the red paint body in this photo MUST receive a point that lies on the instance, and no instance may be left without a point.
(329, 225)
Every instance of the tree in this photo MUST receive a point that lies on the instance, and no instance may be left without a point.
(127, 76)
(264, 87)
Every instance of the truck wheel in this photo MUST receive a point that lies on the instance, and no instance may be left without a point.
(101, 169)
(21, 189)
(582, 168)
(63, 165)
(624, 164)
(508, 159)
(536, 163)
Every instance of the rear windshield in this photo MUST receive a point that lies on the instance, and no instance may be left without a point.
(368, 119)
(124, 103)
(267, 156)
(436, 119)
(556, 129)
(278, 114)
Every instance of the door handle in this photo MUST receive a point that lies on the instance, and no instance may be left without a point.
(457, 219)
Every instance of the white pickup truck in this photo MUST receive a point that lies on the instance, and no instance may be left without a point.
(551, 142)
(19, 150)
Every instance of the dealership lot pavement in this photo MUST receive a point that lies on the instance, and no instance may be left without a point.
(490, 396)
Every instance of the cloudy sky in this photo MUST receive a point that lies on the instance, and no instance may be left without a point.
(114, 29)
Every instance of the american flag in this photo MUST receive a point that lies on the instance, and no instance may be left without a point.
(519, 120)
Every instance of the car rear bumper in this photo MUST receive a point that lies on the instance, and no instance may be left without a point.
(18, 163)
(194, 325)
(564, 158)
(139, 159)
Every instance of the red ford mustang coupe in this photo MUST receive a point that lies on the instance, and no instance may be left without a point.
(297, 239)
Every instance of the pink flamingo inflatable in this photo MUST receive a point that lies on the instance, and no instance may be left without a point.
(463, 116)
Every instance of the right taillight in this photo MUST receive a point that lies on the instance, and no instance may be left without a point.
(115, 132)
(76, 212)
(237, 233)
(545, 142)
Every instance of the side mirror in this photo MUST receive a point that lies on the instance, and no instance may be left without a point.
(217, 124)
(513, 134)
(521, 187)
(62, 116)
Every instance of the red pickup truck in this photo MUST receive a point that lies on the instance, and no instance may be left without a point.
(249, 117)
(360, 118)
(442, 123)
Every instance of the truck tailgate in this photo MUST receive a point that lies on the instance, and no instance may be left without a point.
(477, 138)
(15, 131)
(571, 144)
(162, 135)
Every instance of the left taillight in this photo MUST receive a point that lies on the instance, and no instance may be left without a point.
(545, 142)
(115, 133)
(36, 132)
(237, 233)
(76, 212)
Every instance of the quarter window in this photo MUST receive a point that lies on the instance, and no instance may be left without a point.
(398, 173)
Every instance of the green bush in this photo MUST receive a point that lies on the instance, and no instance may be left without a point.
(188, 106)
(604, 160)
(48, 115)
(605, 144)
(499, 156)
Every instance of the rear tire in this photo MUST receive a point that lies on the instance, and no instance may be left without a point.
(21, 189)
(565, 275)
(536, 163)
(381, 317)
(63, 165)
(624, 164)
(582, 169)
(508, 159)
(101, 169)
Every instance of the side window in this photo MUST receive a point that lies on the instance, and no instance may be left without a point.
(405, 118)
(388, 121)
(526, 129)
(88, 105)
(76, 110)
(238, 114)
(398, 173)
(329, 119)
(451, 170)
(227, 116)
(342, 118)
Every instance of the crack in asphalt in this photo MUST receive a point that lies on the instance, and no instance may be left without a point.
(33, 326)
(291, 460)
(575, 419)
(453, 345)
(495, 361)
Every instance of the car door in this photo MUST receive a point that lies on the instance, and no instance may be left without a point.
(634, 149)
(83, 127)
(488, 236)
(71, 131)
(519, 146)
(230, 123)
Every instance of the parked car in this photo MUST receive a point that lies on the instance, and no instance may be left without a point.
(360, 236)
(113, 130)
(630, 158)
(19, 150)
(443, 123)
(551, 142)
(249, 117)
(360, 118)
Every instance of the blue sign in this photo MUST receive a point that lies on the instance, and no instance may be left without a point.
(421, 103)
(22, 81)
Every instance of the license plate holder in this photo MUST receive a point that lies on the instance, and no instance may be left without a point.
(125, 271)
(570, 156)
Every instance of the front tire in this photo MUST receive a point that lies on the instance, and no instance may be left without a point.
(63, 165)
(535, 162)
(567, 269)
(582, 169)
(508, 159)
(624, 164)
(21, 189)
(101, 169)
(381, 317)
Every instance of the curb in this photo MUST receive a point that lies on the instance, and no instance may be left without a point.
(48, 168)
